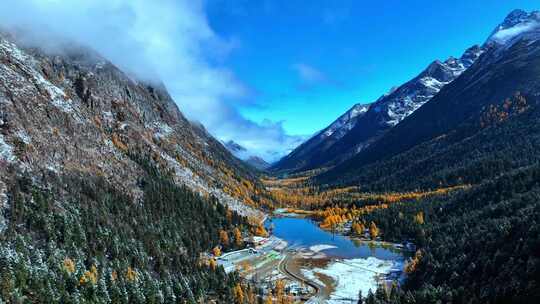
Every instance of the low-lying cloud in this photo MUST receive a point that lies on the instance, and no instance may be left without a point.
(169, 40)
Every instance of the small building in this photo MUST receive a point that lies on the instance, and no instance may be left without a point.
(255, 241)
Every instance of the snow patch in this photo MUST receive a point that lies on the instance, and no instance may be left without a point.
(353, 275)
(6, 151)
(504, 35)
(23, 136)
(310, 275)
(3, 206)
(321, 247)
(346, 121)
(58, 97)
(162, 129)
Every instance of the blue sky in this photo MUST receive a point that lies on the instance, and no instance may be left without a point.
(307, 62)
(265, 73)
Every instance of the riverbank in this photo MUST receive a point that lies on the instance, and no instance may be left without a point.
(314, 263)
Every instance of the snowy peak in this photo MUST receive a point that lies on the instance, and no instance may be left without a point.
(412, 95)
(518, 24)
(357, 128)
(470, 55)
(346, 121)
(516, 17)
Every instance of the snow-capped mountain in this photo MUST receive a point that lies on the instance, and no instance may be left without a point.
(345, 122)
(450, 128)
(514, 26)
(412, 95)
(358, 127)
(323, 139)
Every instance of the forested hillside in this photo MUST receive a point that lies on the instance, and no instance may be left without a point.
(504, 136)
(475, 246)
(77, 239)
(480, 243)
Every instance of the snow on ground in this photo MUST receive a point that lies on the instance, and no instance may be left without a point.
(6, 151)
(321, 247)
(162, 129)
(353, 275)
(310, 275)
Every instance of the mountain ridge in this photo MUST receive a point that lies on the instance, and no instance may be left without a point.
(378, 117)
(505, 69)
(113, 115)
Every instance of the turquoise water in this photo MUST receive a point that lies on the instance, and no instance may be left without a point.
(303, 232)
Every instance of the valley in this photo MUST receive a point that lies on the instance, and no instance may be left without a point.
(109, 193)
(315, 265)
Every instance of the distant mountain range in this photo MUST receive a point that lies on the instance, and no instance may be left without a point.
(440, 139)
(364, 123)
(247, 156)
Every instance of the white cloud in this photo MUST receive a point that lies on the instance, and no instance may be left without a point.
(309, 74)
(170, 40)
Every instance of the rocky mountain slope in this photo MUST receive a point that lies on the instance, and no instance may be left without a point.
(257, 163)
(452, 129)
(107, 193)
(76, 112)
(363, 124)
(299, 157)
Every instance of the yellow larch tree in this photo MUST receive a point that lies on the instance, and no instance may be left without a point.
(224, 238)
(373, 230)
(238, 237)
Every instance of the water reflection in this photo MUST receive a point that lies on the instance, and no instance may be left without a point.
(303, 232)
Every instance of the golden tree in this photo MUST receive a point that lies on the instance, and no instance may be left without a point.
(238, 237)
(419, 218)
(261, 231)
(224, 238)
(373, 230)
(69, 265)
(131, 275)
(216, 251)
(238, 294)
(358, 228)
(212, 264)
(268, 299)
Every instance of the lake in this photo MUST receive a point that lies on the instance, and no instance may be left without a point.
(303, 232)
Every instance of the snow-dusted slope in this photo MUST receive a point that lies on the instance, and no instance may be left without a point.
(299, 157)
(76, 112)
(406, 99)
(507, 68)
(345, 122)
(517, 24)
(357, 128)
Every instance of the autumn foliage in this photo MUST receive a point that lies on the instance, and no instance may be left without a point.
(413, 263)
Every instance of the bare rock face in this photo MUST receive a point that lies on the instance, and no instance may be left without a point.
(76, 112)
